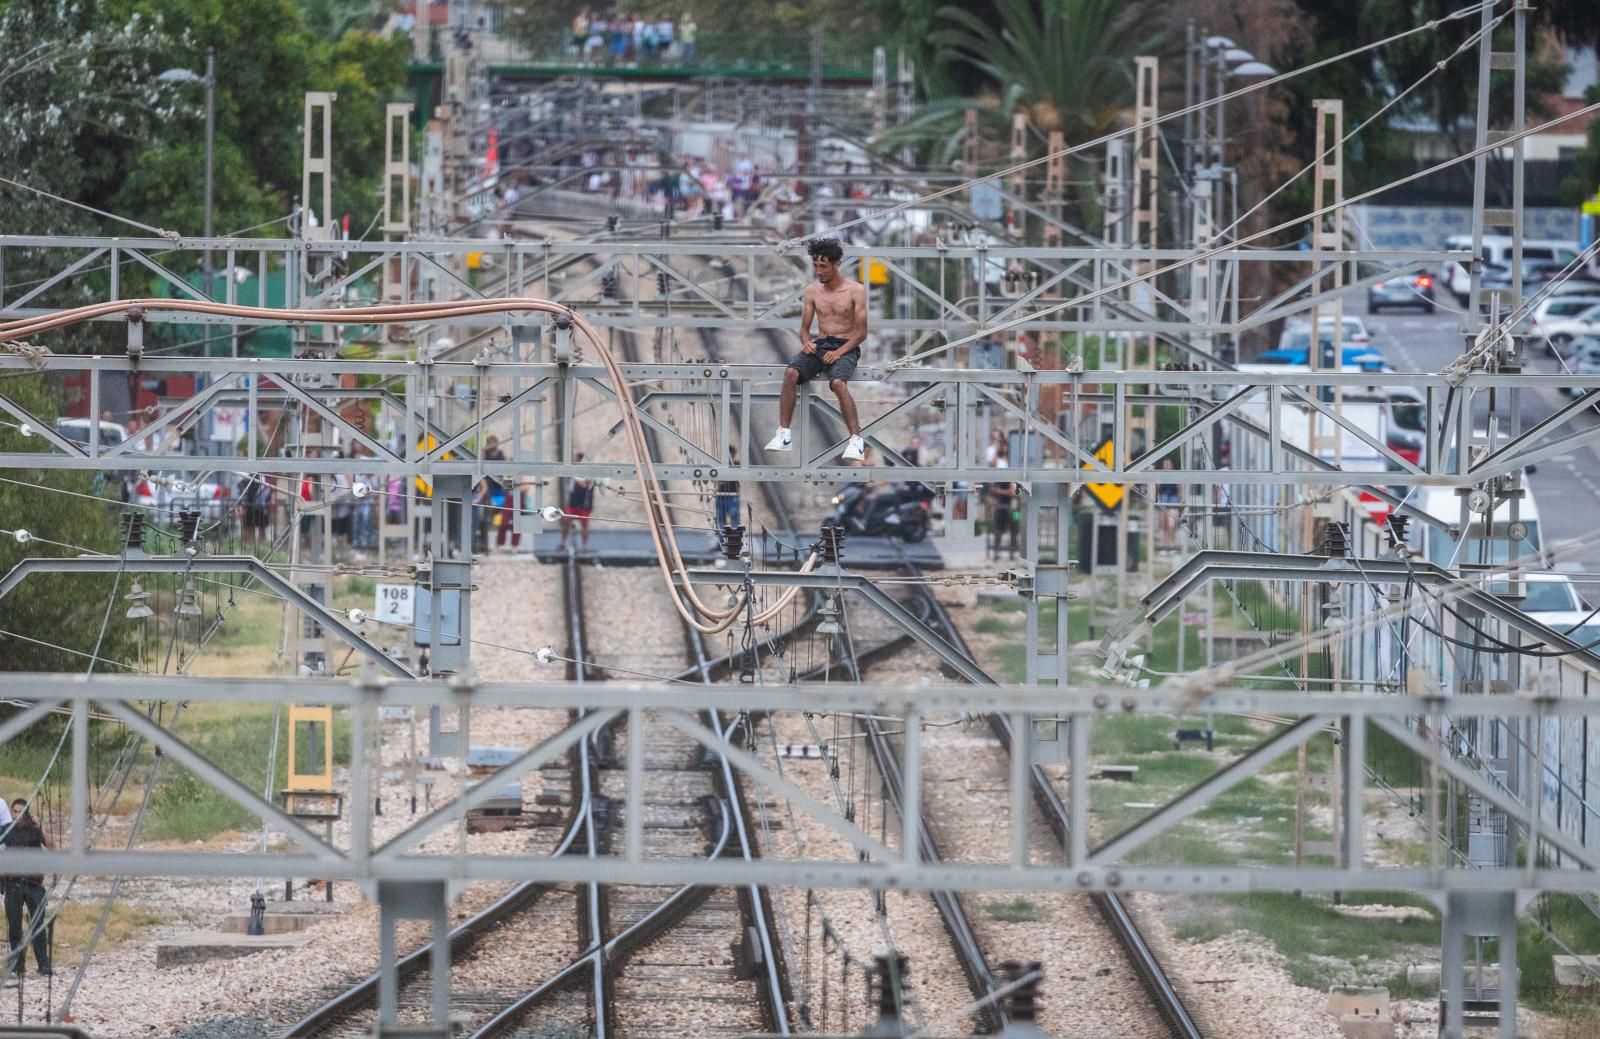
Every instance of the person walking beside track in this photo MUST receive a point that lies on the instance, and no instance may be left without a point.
(839, 306)
(579, 506)
(25, 891)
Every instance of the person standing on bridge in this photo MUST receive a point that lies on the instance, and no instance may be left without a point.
(839, 306)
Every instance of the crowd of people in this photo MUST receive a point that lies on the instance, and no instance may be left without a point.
(689, 187)
(631, 40)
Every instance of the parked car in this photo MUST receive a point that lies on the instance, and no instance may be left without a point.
(1298, 353)
(1583, 359)
(172, 491)
(1562, 332)
(1544, 592)
(1555, 308)
(107, 483)
(1402, 290)
(1496, 252)
(1352, 331)
(77, 431)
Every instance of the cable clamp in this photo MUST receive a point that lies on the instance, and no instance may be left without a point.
(36, 356)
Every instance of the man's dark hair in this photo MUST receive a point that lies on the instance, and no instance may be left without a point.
(826, 249)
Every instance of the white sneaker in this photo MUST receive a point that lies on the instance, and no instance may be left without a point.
(781, 440)
(856, 450)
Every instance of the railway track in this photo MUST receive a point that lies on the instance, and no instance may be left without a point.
(492, 941)
(1163, 995)
(669, 974)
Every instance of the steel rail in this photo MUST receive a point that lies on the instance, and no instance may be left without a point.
(969, 952)
(630, 939)
(461, 939)
(1163, 994)
(594, 905)
(755, 902)
(974, 965)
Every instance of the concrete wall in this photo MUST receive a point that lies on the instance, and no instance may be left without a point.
(1426, 227)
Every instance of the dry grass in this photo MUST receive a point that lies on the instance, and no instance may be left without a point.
(1578, 1019)
(77, 922)
(247, 645)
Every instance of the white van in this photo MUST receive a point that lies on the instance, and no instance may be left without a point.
(1497, 250)
(77, 430)
(1482, 546)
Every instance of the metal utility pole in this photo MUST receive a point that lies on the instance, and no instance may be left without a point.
(1327, 187)
(211, 149)
(1055, 186)
(396, 197)
(880, 91)
(1146, 167)
(1477, 916)
(905, 96)
(1017, 218)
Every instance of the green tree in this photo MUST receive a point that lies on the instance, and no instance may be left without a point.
(267, 57)
(1580, 186)
(1066, 64)
(1448, 99)
(331, 19)
(48, 608)
(80, 95)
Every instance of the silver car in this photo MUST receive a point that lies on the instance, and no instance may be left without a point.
(1402, 290)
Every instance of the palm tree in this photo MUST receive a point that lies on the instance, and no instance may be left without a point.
(1067, 63)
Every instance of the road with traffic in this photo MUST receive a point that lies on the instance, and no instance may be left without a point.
(1566, 487)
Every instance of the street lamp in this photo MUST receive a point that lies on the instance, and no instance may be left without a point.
(209, 81)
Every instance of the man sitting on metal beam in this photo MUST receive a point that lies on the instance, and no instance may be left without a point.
(840, 308)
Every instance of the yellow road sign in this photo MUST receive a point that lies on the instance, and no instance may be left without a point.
(1109, 495)
(428, 443)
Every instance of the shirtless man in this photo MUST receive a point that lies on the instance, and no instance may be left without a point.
(840, 308)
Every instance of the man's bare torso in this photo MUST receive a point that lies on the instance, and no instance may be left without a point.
(836, 307)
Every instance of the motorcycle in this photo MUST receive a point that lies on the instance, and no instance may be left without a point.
(899, 510)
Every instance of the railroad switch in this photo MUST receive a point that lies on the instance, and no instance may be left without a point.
(258, 915)
(888, 979)
(1021, 1004)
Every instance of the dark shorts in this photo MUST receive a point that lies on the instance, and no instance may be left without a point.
(810, 365)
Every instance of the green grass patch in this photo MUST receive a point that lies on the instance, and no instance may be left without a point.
(236, 737)
(1018, 910)
(1320, 945)
(1574, 924)
(1131, 734)
(994, 626)
(26, 758)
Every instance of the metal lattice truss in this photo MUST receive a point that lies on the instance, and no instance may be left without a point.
(956, 288)
(184, 564)
(1122, 862)
(1217, 565)
(458, 403)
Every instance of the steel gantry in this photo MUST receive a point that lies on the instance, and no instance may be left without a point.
(723, 284)
(884, 862)
(1253, 407)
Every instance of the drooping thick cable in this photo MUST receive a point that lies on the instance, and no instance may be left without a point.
(669, 557)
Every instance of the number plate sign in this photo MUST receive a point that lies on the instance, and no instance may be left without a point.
(395, 604)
